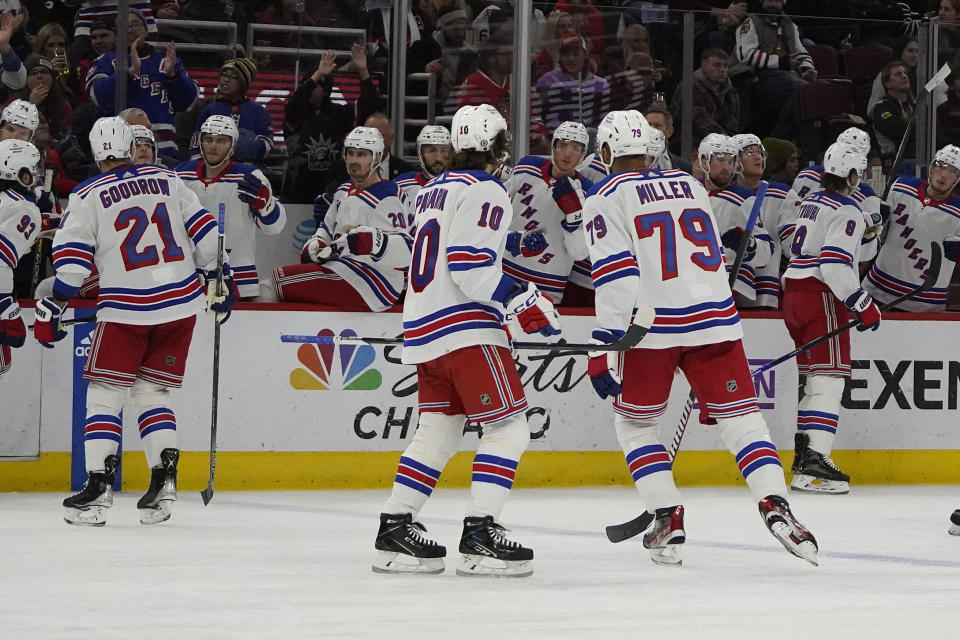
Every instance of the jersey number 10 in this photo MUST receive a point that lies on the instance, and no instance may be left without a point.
(136, 219)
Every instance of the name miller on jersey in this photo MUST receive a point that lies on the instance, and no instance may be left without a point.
(134, 188)
(658, 191)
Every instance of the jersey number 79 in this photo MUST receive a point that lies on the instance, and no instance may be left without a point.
(696, 227)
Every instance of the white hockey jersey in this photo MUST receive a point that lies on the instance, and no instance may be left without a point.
(19, 225)
(767, 277)
(653, 240)
(380, 281)
(807, 183)
(462, 222)
(241, 222)
(901, 265)
(826, 243)
(147, 234)
(731, 209)
(594, 171)
(530, 188)
(410, 184)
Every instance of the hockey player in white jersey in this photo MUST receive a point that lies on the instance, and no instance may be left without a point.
(145, 145)
(807, 183)
(433, 150)
(151, 240)
(547, 196)
(453, 331)
(19, 225)
(921, 212)
(654, 243)
(731, 204)
(357, 259)
(821, 291)
(250, 205)
(751, 163)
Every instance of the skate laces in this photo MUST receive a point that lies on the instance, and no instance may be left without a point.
(499, 534)
(414, 531)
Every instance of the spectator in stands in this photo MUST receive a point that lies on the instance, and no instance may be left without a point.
(907, 51)
(660, 119)
(43, 91)
(390, 166)
(288, 12)
(156, 82)
(218, 11)
(496, 19)
(315, 126)
(166, 9)
(587, 19)
(716, 103)
(891, 115)
(572, 92)
(13, 74)
(636, 39)
(948, 15)
(948, 113)
(769, 42)
(559, 24)
(92, 11)
(253, 121)
(444, 53)
(783, 163)
(490, 84)
(51, 43)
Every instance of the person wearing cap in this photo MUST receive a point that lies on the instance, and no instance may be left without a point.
(230, 99)
(157, 82)
(571, 91)
(47, 94)
(445, 53)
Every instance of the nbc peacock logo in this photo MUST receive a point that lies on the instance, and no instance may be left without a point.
(344, 366)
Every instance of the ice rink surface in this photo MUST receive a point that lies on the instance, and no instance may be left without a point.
(297, 565)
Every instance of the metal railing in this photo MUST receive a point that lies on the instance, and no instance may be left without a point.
(229, 47)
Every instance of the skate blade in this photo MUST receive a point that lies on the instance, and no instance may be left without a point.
(805, 550)
(160, 514)
(668, 555)
(482, 566)
(811, 484)
(91, 517)
(393, 562)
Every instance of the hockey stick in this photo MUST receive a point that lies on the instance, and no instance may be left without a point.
(734, 272)
(207, 494)
(933, 272)
(642, 321)
(620, 532)
(38, 246)
(73, 321)
(937, 78)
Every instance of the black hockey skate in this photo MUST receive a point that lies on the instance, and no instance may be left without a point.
(954, 529)
(486, 551)
(155, 504)
(795, 538)
(665, 536)
(814, 472)
(401, 547)
(86, 508)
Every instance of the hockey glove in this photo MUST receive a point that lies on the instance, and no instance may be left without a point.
(46, 327)
(367, 241)
(602, 365)
(866, 310)
(220, 302)
(529, 244)
(13, 332)
(317, 250)
(569, 198)
(532, 311)
(731, 240)
(254, 192)
(951, 248)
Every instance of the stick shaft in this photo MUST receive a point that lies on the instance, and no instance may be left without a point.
(526, 346)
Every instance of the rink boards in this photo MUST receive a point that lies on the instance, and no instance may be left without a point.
(301, 416)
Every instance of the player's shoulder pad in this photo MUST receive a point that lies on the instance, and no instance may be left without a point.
(864, 188)
(836, 200)
(409, 175)
(813, 172)
(384, 189)
(20, 197)
(530, 165)
(345, 186)
(777, 189)
(469, 177)
(910, 181)
(585, 183)
(740, 190)
(597, 186)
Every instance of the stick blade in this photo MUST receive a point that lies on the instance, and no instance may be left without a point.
(933, 269)
(207, 495)
(642, 321)
(620, 532)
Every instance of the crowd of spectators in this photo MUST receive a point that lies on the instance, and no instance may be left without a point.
(758, 64)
